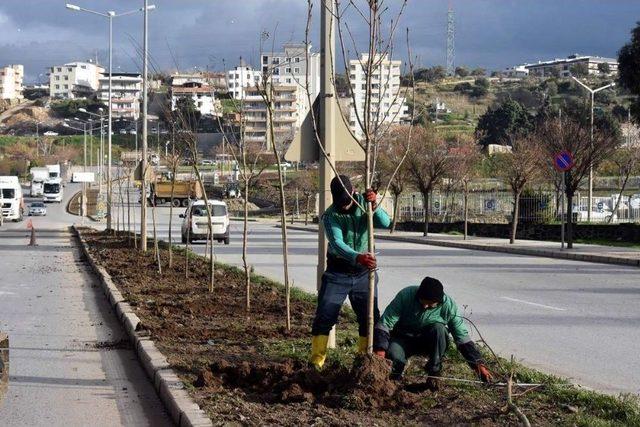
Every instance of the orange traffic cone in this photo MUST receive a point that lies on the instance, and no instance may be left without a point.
(32, 240)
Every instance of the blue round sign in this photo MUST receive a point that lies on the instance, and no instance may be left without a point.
(563, 161)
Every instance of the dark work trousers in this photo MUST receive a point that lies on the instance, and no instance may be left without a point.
(334, 289)
(431, 342)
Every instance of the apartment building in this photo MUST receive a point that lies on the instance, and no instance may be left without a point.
(195, 88)
(285, 113)
(387, 103)
(242, 77)
(11, 78)
(125, 94)
(74, 80)
(290, 68)
(562, 67)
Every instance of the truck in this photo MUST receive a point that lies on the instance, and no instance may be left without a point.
(53, 190)
(54, 171)
(11, 198)
(38, 176)
(160, 192)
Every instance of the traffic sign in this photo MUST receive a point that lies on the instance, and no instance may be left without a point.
(563, 161)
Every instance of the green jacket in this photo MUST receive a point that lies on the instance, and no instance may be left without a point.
(405, 316)
(347, 234)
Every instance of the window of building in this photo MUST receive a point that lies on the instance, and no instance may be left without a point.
(265, 59)
(296, 70)
(297, 59)
(59, 69)
(288, 80)
(66, 77)
(275, 61)
(287, 70)
(66, 86)
(69, 69)
(56, 78)
(84, 67)
(57, 86)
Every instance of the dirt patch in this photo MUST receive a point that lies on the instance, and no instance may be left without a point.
(245, 368)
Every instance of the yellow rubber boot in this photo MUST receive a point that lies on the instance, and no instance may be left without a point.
(362, 345)
(319, 350)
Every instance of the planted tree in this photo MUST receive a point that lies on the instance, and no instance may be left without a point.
(628, 66)
(557, 135)
(465, 166)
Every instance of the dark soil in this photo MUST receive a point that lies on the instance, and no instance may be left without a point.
(220, 352)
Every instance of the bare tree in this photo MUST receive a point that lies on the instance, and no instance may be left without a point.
(518, 168)
(627, 162)
(464, 168)
(556, 135)
(428, 163)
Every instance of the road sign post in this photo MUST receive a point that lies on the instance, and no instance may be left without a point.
(563, 162)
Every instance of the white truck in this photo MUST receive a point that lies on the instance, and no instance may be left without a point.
(54, 171)
(11, 200)
(38, 176)
(53, 190)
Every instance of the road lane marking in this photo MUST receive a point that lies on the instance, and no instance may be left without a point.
(534, 304)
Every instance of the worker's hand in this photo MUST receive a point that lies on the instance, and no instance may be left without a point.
(367, 260)
(371, 196)
(484, 373)
(380, 353)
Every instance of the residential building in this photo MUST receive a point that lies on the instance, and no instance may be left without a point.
(11, 77)
(125, 94)
(195, 88)
(290, 69)
(562, 67)
(517, 72)
(241, 77)
(387, 103)
(285, 116)
(74, 80)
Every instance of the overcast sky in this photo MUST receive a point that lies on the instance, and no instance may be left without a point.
(214, 33)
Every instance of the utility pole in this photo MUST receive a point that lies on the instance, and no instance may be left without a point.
(451, 40)
(111, 15)
(327, 131)
(143, 163)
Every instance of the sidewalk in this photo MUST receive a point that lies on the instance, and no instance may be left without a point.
(580, 252)
(69, 361)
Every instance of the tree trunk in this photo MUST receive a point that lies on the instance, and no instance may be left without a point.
(514, 220)
(173, 184)
(466, 211)
(209, 228)
(425, 200)
(622, 188)
(245, 240)
(396, 198)
(569, 220)
(306, 211)
(155, 238)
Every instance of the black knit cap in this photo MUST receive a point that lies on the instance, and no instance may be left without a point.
(341, 197)
(430, 289)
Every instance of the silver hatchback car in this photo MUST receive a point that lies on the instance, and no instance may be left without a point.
(37, 209)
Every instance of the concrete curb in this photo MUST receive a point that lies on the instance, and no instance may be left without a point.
(546, 253)
(171, 391)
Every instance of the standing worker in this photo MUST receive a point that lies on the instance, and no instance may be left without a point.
(418, 321)
(348, 265)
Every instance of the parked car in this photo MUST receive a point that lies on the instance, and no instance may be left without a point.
(195, 222)
(597, 215)
(37, 209)
(206, 162)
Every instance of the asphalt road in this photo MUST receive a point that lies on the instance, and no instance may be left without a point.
(63, 371)
(574, 319)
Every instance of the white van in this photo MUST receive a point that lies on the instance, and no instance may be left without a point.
(195, 221)
(38, 176)
(53, 191)
(11, 200)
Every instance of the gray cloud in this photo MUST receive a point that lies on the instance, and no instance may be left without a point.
(210, 33)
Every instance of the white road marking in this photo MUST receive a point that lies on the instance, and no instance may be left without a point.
(534, 304)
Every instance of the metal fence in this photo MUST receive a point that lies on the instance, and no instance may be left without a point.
(497, 207)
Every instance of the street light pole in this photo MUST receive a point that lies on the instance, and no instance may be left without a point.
(143, 163)
(593, 93)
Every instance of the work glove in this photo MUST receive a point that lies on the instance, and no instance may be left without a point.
(484, 373)
(371, 196)
(367, 260)
(380, 353)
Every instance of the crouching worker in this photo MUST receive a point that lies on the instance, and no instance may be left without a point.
(348, 265)
(418, 322)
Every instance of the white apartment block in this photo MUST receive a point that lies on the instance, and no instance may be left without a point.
(289, 68)
(517, 72)
(202, 95)
(11, 77)
(125, 94)
(387, 103)
(74, 80)
(562, 67)
(285, 114)
(240, 78)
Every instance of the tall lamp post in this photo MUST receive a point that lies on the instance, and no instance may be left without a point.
(592, 92)
(109, 15)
